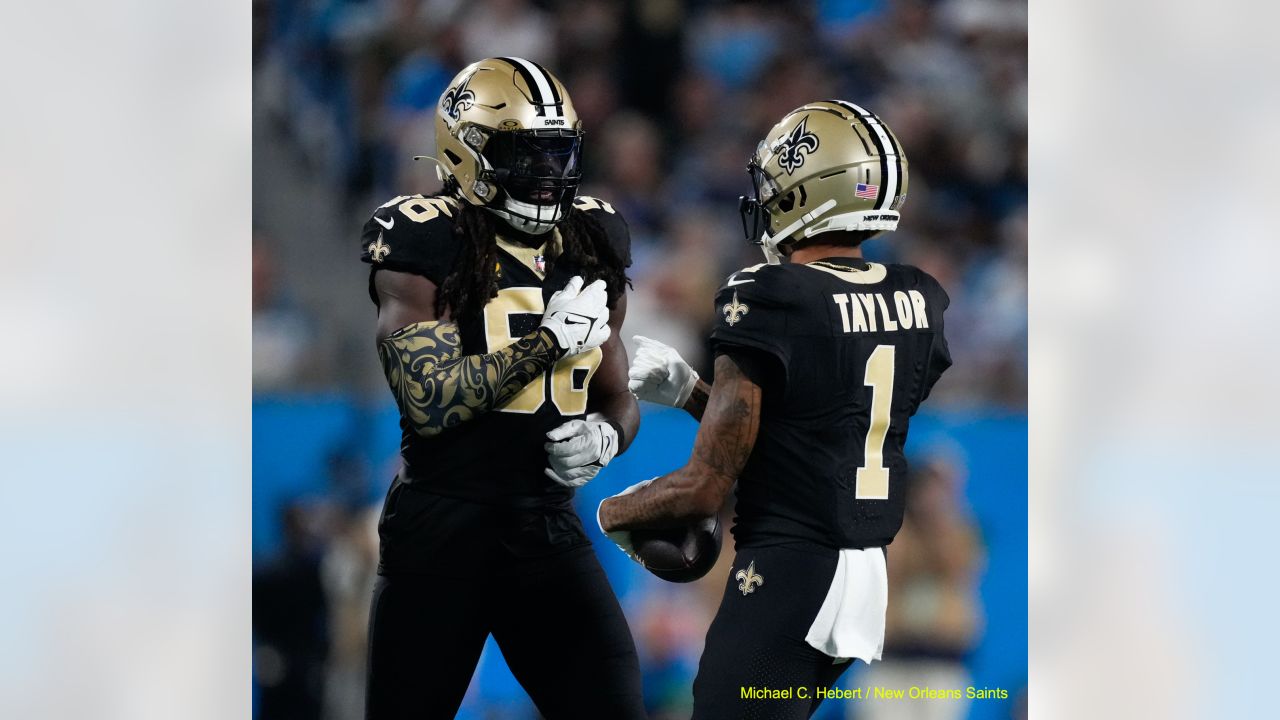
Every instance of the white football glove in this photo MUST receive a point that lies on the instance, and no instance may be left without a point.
(658, 374)
(579, 449)
(577, 316)
(622, 538)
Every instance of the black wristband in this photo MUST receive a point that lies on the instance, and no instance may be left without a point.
(560, 352)
(617, 427)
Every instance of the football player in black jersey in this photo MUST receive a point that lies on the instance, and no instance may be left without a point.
(499, 305)
(820, 363)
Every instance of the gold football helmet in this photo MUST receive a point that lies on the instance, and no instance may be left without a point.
(509, 140)
(827, 166)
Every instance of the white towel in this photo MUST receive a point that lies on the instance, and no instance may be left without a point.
(850, 623)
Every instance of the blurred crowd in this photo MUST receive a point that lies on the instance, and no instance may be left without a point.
(674, 97)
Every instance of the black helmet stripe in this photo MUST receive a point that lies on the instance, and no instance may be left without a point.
(891, 177)
(897, 160)
(539, 81)
(880, 129)
(555, 92)
(875, 140)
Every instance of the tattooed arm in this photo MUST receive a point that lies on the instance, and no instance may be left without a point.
(696, 405)
(437, 387)
(697, 490)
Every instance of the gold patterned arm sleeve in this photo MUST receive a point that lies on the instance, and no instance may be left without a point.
(437, 387)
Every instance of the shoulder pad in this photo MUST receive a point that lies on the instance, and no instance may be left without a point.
(764, 281)
(923, 287)
(910, 277)
(752, 309)
(615, 227)
(932, 288)
(412, 233)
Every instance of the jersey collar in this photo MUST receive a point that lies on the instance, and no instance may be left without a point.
(855, 270)
(849, 262)
(533, 258)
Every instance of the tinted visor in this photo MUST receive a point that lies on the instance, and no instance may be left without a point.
(536, 166)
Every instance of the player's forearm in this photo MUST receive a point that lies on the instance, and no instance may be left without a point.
(697, 402)
(720, 452)
(690, 493)
(437, 387)
(623, 412)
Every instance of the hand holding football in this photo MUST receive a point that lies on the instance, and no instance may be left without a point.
(679, 554)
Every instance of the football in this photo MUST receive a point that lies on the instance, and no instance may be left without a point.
(679, 554)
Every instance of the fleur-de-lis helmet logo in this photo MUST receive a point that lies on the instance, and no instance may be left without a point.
(794, 146)
(457, 99)
(749, 580)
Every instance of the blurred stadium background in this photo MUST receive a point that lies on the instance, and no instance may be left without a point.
(674, 97)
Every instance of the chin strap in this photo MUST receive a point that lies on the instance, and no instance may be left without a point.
(770, 242)
(517, 215)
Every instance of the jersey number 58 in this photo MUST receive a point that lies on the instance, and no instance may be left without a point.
(568, 379)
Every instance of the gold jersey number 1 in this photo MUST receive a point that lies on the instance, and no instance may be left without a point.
(872, 481)
(568, 399)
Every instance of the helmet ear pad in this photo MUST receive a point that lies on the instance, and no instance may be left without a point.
(796, 197)
(461, 164)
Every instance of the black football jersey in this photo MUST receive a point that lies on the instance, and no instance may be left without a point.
(498, 456)
(855, 347)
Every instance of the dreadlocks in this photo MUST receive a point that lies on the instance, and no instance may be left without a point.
(473, 281)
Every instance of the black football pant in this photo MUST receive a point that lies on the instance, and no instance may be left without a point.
(555, 618)
(757, 639)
